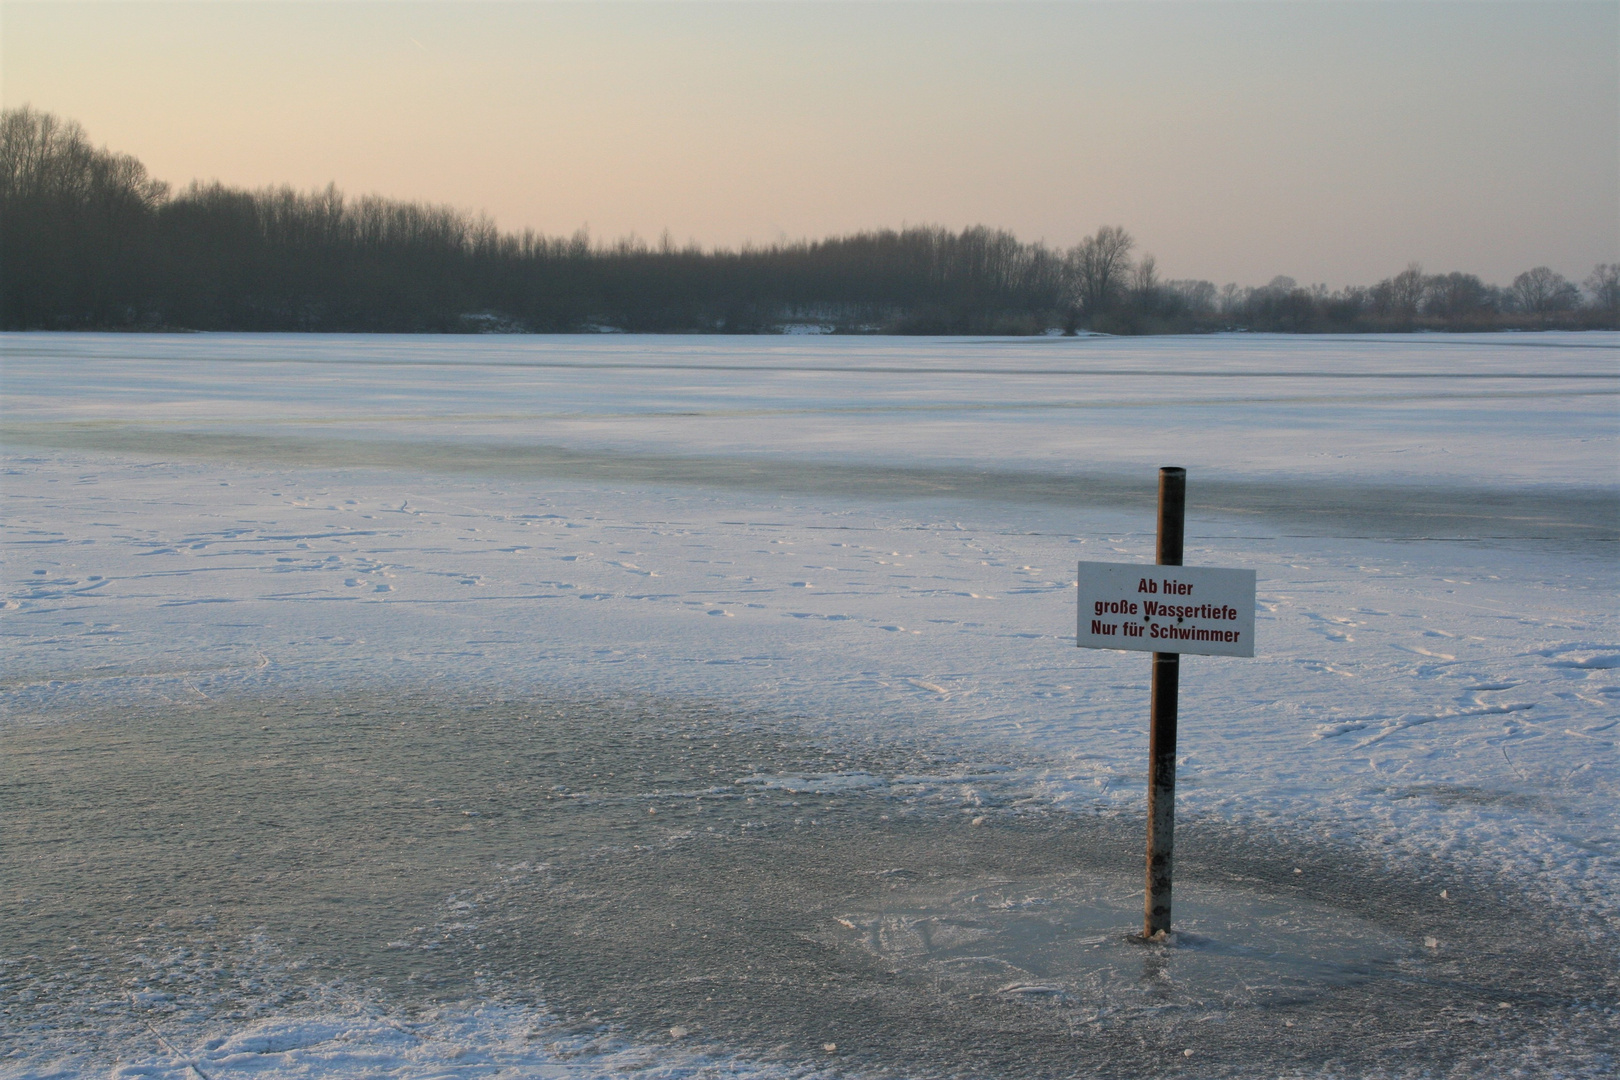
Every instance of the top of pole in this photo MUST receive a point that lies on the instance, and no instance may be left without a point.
(1172, 514)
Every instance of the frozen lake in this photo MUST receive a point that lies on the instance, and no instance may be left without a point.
(398, 706)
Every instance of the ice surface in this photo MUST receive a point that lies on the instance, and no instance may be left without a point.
(274, 879)
(865, 548)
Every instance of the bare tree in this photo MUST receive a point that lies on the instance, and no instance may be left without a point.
(1457, 296)
(1098, 265)
(75, 226)
(1604, 285)
(1406, 291)
(1197, 296)
(1542, 291)
(1145, 276)
(1146, 292)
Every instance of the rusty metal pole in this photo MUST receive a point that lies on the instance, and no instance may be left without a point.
(1161, 829)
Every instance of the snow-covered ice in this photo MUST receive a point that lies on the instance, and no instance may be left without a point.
(867, 544)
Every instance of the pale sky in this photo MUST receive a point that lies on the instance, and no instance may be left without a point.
(1331, 142)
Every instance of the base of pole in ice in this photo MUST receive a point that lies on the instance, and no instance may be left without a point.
(1161, 814)
(1206, 610)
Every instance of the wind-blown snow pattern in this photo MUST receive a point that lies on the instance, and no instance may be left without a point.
(870, 543)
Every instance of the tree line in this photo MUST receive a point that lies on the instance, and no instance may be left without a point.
(88, 240)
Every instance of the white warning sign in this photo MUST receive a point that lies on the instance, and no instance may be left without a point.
(1170, 609)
